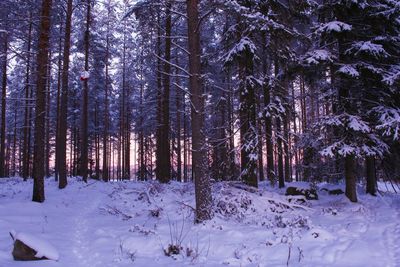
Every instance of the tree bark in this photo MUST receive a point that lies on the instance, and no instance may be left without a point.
(163, 169)
(47, 121)
(248, 128)
(59, 74)
(41, 82)
(370, 174)
(3, 106)
(268, 116)
(84, 119)
(178, 128)
(350, 175)
(27, 124)
(62, 138)
(199, 158)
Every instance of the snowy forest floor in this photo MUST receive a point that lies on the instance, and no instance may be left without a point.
(138, 223)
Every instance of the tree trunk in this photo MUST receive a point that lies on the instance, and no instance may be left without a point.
(59, 74)
(163, 169)
(63, 123)
(199, 158)
(14, 150)
(268, 116)
(27, 124)
(371, 176)
(281, 176)
(84, 119)
(48, 131)
(260, 146)
(350, 175)
(3, 107)
(248, 129)
(41, 82)
(286, 131)
(185, 145)
(178, 128)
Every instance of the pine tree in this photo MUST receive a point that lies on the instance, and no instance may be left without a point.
(42, 63)
(199, 159)
(62, 133)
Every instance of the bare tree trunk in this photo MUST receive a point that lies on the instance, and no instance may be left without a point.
(142, 163)
(48, 132)
(106, 121)
(42, 61)
(178, 127)
(63, 123)
(350, 175)
(84, 119)
(14, 150)
(286, 130)
(296, 154)
(231, 131)
(268, 117)
(96, 142)
(185, 145)
(248, 128)
(59, 74)
(199, 158)
(371, 176)
(27, 124)
(260, 146)
(163, 170)
(3, 106)
(127, 150)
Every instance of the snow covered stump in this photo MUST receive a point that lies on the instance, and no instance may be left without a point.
(31, 248)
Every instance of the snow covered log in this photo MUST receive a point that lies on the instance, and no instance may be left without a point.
(30, 248)
(310, 194)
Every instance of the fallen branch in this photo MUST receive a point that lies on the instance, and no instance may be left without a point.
(287, 204)
(186, 205)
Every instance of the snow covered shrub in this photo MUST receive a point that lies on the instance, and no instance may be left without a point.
(233, 205)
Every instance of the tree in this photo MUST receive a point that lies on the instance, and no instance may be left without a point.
(41, 86)
(84, 119)
(199, 160)
(62, 138)
(163, 168)
(5, 44)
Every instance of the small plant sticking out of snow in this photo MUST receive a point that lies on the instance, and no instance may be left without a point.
(126, 253)
(177, 236)
(155, 212)
(173, 249)
(116, 212)
(142, 230)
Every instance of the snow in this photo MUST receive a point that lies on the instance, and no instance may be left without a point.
(317, 56)
(42, 247)
(357, 124)
(85, 75)
(393, 75)
(349, 70)
(389, 121)
(369, 48)
(334, 26)
(244, 45)
(135, 223)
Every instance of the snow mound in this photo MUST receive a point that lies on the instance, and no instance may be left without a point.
(42, 247)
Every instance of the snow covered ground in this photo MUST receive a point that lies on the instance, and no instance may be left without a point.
(137, 224)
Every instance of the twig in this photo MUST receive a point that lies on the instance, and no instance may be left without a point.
(186, 205)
